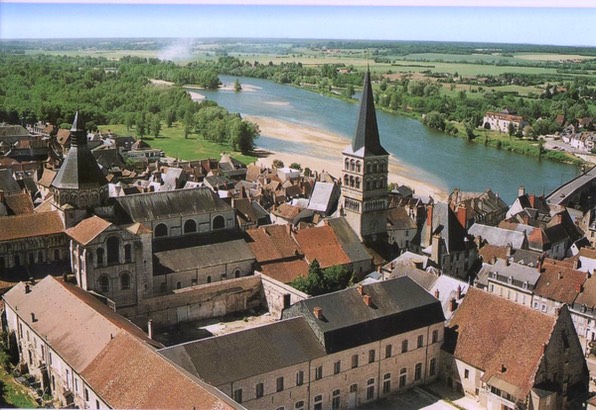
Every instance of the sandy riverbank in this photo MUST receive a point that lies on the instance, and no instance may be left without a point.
(324, 153)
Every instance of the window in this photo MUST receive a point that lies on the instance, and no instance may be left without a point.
(318, 402)
(435, 336)
(161, 230)
(370, 389)
(404, 346)
(208, 279)
(432, 367)
(388, 351)
(104, 283)
(354, 361)
(299, 378)
(97, 404)
(337, 367)
(386, 383)
(418, 372)
(319, 373)
(190, 226)
(178, 285)
(335, 399)
(128, 253)
(403, 377)
(99, 252)
(237, 273)
(280, 384)
(238, 395)
(76, 381)
(371, 356)
(125, 281)
(420, 341)
(299, 405)
(86, 394)
(113, 245)
(259, 389)
(353, 388)
(466, 374)
(219, 222)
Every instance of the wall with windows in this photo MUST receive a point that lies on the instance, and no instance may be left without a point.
(192, 224)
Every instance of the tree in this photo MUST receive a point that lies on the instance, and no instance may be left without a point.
(188, 123)
(510, 129)
(156, 126)
(320, 281)
(141, 125)
(170, 118)
(237, 85)
(295, 165)
(349, 91)
(277, 163)
(129, 121)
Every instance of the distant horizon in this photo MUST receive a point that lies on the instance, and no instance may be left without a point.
(534, 25)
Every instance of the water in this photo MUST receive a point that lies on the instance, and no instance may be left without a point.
(444, 161)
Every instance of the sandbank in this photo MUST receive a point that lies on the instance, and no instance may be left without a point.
(195, 96)
(323, 153)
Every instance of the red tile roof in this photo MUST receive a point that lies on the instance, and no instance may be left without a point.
(286, 271)
(559, 282)
(273, 242)
(320, 243)
(30, 225)
(496, 334)
(86, 230)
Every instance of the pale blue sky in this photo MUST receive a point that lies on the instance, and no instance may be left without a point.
(537, 25)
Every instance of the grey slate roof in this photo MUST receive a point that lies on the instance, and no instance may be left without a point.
(519, 273)
(7, 182)
(80, 169)
(349, 241)
(398, 306)
(498, 236)
(203, 256)
(155, 205)
(236, 356)
(324, 197)
(366, 140)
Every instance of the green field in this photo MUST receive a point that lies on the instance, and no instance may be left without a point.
(173, 143)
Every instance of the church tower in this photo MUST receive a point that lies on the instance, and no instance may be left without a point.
(80, 183)
(365, 168)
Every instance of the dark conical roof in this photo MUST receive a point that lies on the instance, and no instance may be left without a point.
(80, 169)
(367, 131)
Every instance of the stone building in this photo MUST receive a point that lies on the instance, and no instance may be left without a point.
(365, 169)
(509, 356)
(339, 350)
(87, 356)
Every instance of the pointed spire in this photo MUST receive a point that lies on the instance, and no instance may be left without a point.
(367, 131)
(78, 135)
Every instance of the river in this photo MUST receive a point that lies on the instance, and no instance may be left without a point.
(439, 159)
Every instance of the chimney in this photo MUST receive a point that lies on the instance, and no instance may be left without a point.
(318, 312)
(437, 293)
(360, 289)
(150, 328)
(509, 249)
(33, 318)
(452, 305)
(436, 249)
(367, 300)
(458, 292)
(576, 264)
(521, 191)
(462, 215)
(532, 199)
(27, 288)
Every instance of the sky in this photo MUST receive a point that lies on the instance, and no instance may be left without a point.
(500, 21)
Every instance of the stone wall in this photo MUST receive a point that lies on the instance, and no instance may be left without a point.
(278, 295)
(198, 302)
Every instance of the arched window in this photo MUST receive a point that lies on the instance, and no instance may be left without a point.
(99, 252)
(56, 254)
(346, 180)
(161, 230)
(219, 222)
(357, 183)
(352, 181)
(347, 164)
(178, 285)
(237, 273)
(127, 252)
(190, 226)
(113, 245)
(357, 166)
(208, 279)
(17, 260)
(352, 165)
(368, 185)
(124, 281)
(104, 283)
(374, 167)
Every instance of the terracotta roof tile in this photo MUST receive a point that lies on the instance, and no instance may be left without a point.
(30, 225)
(86, 230)
(273, 242)
(47, 177)
(20, 203)
(287, 211)
(286, 271)
(320, 243)
(493, 333)
(488, 252)
(559, 282)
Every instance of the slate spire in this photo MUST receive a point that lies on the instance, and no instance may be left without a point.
(367, 131)
(78, 135)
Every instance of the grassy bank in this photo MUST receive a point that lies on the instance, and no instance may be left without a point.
(172, 142)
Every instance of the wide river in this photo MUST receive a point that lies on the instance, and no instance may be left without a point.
(439, 159)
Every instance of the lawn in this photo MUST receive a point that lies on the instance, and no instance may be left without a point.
(172, 141)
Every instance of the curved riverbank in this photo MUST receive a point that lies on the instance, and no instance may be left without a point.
(323, 153)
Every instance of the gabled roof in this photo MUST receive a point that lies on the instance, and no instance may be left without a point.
(322, 244)
(492, 333)
(155, 205)
(240, 355)
(397, 306)
(127, 374)
(498, 236)
(75, 324)
(88, 229)
(559, 282)
(273, 242)
(366, 141)
(19, 203)
(30, 225)
(349, 241)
